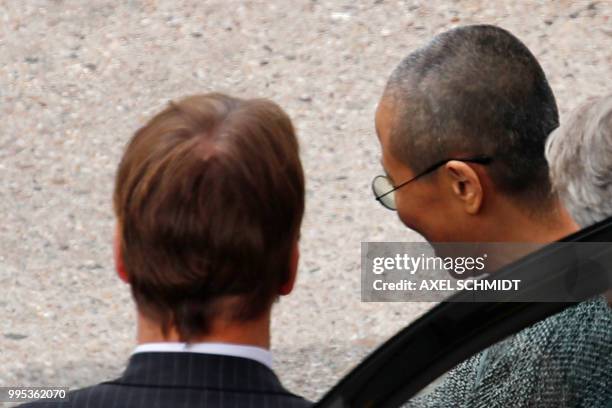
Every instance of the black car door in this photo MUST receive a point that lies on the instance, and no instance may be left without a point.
(454, 331)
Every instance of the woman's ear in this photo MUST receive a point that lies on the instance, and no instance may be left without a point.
(466, 185)
(287, 287)
(118, 253)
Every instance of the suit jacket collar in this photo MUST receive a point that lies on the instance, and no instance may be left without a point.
(197, 370)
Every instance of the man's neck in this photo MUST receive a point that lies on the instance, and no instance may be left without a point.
(253, 333)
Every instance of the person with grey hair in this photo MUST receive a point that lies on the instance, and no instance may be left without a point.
(579, 156)
(462, 125)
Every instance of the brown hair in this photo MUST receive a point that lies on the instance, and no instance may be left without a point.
(209, 196)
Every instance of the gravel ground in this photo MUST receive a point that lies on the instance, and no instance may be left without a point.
(78, 77)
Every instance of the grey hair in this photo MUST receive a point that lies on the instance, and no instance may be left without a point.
(579, 154)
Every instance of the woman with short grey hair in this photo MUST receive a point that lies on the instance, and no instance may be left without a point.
(579, 155)
(552, 363)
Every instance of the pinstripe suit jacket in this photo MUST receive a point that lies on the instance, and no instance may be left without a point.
(185, 380)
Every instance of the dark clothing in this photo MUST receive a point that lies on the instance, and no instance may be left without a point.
(167, 379)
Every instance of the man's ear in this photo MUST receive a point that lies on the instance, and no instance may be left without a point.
(118, 253)
(287, 287)
(466, 185)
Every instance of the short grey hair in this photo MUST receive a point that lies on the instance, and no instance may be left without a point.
(579, 154)
(476, 90)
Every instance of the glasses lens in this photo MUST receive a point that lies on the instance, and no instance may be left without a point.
(381, 187)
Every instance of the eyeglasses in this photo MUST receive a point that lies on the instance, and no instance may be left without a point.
(384, 190)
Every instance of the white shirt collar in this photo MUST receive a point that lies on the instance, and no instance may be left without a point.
(258, 354)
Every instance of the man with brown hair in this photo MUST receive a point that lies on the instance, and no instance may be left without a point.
(209, 198)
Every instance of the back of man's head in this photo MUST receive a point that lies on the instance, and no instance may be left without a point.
(475, 90)
(209, 198)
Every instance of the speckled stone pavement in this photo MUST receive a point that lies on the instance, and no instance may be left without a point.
(78, 77)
